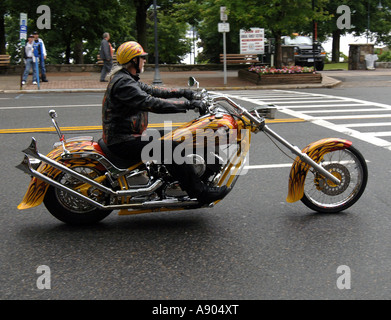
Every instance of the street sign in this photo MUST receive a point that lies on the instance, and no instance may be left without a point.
(223, 27)
(252, 41)
(23, 28)
(223, 14)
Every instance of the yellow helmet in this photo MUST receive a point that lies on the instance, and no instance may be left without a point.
(129, 50)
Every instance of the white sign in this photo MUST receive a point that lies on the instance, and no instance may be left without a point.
(223, 15)
(223, 27)
(252, 41)
(23, 26)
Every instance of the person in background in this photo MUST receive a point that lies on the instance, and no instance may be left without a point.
(106, 54)
(40, 46)
(29, 60)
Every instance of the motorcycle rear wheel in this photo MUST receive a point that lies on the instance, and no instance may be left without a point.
(323, 196)
(70, 209)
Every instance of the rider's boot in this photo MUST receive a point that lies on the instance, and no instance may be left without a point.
(212, 194)
(195, 188)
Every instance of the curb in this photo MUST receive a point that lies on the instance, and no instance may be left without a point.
(331, 84)
(53, 91)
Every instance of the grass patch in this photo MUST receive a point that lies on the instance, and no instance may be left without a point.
(333, 66)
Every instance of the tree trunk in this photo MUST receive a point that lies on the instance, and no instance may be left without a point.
(68, 49)
(68, 53)
(2, 34)
(141, 21)
(336, 43)
(278, 50)
(78, 52)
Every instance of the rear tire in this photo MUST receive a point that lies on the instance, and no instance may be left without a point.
(70, 209)
(323, 196)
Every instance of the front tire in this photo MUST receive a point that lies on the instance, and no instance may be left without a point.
(323, 196)
(70, 209)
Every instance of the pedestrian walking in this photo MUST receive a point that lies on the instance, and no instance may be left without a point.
(29, 60)
(106, 54)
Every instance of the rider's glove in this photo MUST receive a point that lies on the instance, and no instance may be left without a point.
(198, 105)
(190, 94)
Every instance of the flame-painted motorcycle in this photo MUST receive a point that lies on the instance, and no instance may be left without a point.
(80, 181)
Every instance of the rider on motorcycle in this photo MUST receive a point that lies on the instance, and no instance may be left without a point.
(125, 108)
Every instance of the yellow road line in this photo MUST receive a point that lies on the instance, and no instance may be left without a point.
(89, 128)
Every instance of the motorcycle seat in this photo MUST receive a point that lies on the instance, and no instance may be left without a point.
(119, 162)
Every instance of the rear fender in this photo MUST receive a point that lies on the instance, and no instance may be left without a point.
(37, 188)
(315, 150)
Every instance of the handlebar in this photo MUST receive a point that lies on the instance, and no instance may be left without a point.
(257, 118)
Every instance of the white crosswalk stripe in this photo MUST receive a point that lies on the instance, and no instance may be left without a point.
(328, 111)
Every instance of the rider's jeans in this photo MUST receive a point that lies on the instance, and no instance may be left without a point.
(184, 173)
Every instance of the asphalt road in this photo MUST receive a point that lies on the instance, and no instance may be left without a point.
(253, 245)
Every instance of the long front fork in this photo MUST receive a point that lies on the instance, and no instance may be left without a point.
(303, 156)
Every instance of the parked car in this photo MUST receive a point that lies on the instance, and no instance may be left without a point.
(304, 53)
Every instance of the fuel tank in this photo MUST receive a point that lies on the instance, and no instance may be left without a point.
(217, 130)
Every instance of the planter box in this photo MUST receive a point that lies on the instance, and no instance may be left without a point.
(279, 78)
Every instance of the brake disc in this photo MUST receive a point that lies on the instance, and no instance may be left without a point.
(327, 186)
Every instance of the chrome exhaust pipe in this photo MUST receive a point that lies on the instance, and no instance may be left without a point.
(33, 151)
(26, 167)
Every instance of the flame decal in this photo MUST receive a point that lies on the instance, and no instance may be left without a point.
(37, 188)
(315, 150)
(208, 127)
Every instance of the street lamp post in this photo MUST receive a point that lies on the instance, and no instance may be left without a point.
(156, 80)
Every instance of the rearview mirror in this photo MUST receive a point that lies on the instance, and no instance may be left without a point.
(193, 82)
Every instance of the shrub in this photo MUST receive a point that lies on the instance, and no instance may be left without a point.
(385, 56)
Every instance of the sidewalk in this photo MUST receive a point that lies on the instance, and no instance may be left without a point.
(211, 80)
(89, 82)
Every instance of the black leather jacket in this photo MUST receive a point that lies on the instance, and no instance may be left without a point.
(127, 102)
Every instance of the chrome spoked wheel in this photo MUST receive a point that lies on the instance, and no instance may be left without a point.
(70, 209)
(70, 202)
(322, 195)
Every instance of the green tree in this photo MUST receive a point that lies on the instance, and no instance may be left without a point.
(80, 22)
(277, 17)
(76, 27)
(10, 15)
(371, 20)
(365, 18)
(142, 7)
(173, 45)
(281, 17)
(208, 13)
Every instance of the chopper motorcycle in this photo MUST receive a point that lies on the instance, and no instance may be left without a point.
(81, 182)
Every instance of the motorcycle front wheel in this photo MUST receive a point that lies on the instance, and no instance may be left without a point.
(70, 209)
(322, 195)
